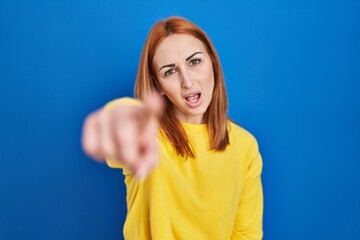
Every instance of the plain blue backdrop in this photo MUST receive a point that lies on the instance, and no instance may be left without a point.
(292, 70)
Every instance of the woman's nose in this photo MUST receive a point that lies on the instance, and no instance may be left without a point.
(187, 81)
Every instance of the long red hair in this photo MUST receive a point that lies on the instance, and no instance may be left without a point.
(146, 81)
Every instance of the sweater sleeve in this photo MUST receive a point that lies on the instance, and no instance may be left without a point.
(248, 223)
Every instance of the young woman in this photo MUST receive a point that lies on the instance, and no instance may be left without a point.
(190, 172)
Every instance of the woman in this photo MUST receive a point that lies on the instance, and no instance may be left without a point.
(200, 174)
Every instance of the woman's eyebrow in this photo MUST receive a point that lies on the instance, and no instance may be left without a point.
(168, 65)
(192, 55)
(187, 59)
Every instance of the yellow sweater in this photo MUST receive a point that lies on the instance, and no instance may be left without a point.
(216, 195)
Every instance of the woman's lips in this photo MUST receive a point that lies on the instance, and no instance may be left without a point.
(193, 100)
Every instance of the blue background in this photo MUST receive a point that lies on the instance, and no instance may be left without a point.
(292, 70)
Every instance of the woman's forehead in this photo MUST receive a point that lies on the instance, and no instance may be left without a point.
(177, 47)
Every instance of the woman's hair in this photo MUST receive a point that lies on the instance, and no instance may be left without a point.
(147, 81)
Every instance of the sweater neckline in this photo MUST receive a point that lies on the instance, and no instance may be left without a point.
(192, 127)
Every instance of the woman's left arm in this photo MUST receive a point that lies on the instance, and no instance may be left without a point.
(249, 216)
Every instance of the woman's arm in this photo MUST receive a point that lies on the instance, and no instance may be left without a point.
(248, 224)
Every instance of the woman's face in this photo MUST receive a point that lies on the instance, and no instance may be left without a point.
(186, 76)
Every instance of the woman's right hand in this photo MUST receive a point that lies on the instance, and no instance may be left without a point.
(125, 134)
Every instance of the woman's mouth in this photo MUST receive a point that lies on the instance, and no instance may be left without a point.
(193, 100)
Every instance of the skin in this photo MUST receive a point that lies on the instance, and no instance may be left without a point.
(127, 134)
(184, 67)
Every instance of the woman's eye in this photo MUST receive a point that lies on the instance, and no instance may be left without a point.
(195, 61)
(169, 72)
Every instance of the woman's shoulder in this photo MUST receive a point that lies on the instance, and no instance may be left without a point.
(238, 133)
